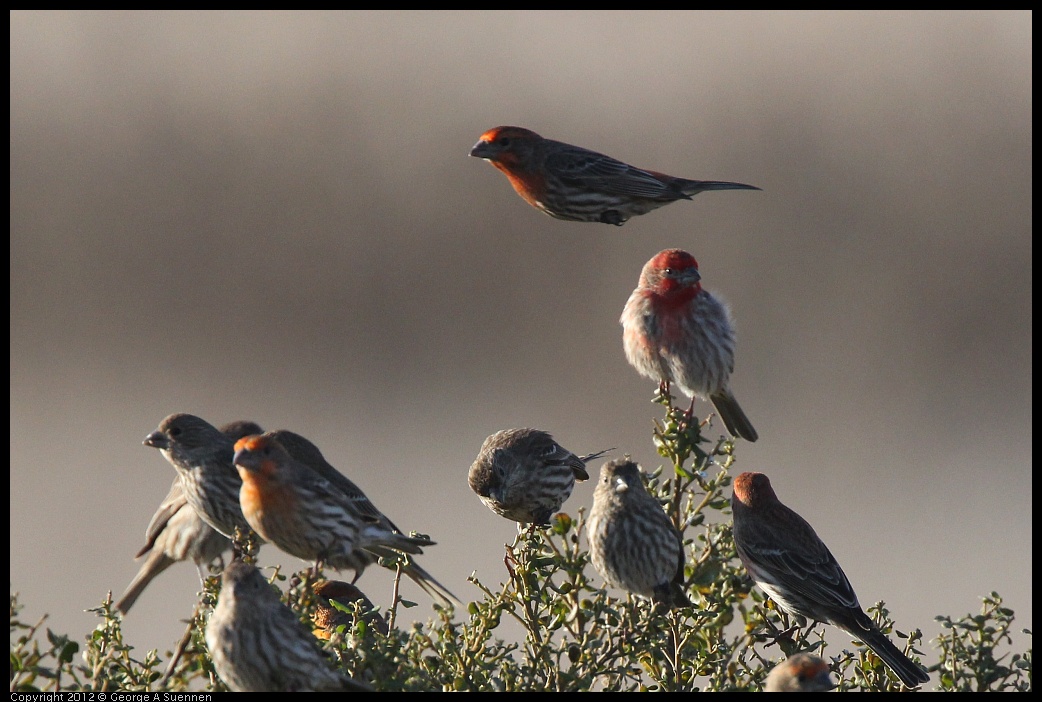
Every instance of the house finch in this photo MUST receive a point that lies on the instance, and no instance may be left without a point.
(677, 333)
(258, 644)
(576, 184)
(202, 457)
(294, 507)
(790, 563)
(524, 475)
(240, 428)
(304, 451)
(176, 533)
(800, 672)
(327, 617)
(633, 544)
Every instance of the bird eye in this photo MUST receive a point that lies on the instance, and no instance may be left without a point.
(503, 141)
(174, 431)
(668, 271)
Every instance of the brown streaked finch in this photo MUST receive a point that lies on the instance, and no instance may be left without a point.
(258, 644)
(202, 456)
(633, 544)
(177, 533)
(524, 475)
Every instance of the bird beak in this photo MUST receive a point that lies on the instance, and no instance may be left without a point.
(689, 277)
(157, 440)
(621, 486)
(241, 458)
(482, 149)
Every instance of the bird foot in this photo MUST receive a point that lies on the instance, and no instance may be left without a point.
(782, 638)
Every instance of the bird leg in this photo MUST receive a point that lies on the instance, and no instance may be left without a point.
(685, 416)
(663, 397)
(782, 637)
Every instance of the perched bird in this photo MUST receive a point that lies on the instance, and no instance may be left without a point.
(572, 183)
(785, 557)
(258, 644)
(800, 672)
(292, 505)
(633, 544)
(240, 428)
(303, 450)
(202, 456)
(327, 617)
(177, 533)
(524, 475)
(679, 334)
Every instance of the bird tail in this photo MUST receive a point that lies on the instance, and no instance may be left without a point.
(384, 543)
(593, 456)
(157, 562)
(734, 418)
(429, 584)
(911, 673)
(694, 187)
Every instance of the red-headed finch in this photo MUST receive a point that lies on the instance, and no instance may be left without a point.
(633, 544)
(785, 557)
(294, 507)
(306, 452)
(524, 475)
(800, 672)
(258, 644)
(678, 333)
(572, 183)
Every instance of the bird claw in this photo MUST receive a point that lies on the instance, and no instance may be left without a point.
(780, 636)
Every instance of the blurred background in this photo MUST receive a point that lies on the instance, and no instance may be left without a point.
(273, 216)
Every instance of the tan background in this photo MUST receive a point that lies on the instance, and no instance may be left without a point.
(274, 217)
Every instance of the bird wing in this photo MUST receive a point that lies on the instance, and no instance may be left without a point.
(359, 501)
(810, 571)
(556, 455)
(605, 174)
(172, 503)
